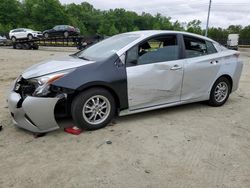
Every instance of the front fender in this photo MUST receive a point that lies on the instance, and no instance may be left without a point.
(101, 73)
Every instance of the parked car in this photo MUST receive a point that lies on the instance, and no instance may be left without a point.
(3, 40)
(124, 74)
(24, 33)
(61, 30)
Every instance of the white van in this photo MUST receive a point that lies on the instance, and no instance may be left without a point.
(233, 41)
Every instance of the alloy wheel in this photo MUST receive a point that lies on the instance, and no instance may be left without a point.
(96, 109)
(221, 92)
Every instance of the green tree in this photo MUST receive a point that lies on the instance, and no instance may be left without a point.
(43, 14)
(245, 33)
(234, 29)
(9, 14)
(194, 27)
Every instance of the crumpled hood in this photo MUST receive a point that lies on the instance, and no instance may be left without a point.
(54, 65)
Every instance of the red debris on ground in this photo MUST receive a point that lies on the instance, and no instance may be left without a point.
(73, 130)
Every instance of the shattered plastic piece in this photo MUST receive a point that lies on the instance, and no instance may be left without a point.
(108, 142)
(73, 130)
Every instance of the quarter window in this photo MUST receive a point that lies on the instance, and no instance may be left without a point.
(155, 50)
(195, 47)
(210, 48)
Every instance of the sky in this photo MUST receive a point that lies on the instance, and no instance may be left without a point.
(223, 12)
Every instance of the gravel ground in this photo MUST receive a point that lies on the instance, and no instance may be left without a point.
(187, 146)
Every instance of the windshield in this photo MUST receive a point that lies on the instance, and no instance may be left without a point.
(107, 47)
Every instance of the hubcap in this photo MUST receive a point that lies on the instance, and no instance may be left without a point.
(96, 109)
(221, 92)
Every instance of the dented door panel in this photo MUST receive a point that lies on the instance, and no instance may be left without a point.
(154, 84)
(200, 73)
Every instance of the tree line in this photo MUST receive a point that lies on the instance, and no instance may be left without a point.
(44, 14)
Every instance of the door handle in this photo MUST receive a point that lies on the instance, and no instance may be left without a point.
(176, 67)
(214, 62)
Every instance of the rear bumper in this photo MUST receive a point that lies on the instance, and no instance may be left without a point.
(35, 114)
(237, 75)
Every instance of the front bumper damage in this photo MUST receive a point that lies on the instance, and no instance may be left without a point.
(35, 114)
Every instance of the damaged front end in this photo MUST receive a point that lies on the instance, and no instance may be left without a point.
(34, 104)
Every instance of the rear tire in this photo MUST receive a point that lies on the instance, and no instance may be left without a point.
(26, 46)
(18, 46)
(220, 92)
(93, 109)
(35, 46)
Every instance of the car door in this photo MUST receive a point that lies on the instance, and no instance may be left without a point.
(23, 33)
(18, 33)
(55, 30)
(154, 72)
(200, 68)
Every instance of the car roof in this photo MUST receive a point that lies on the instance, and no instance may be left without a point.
(148, 33)
(20, 28)
(151, 33)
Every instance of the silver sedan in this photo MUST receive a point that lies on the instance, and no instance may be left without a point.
(124, 74)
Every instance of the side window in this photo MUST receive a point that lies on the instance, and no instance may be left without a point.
(62, 27)
(155, 50)
(195, 47)
(210, 48)
(56, 28)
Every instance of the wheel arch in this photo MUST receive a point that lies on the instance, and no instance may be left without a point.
(103, 85)
(229, 79)
(72, 95)
(108, 88)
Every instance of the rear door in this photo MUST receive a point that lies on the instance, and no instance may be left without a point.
(154, 72)
(200, 68)
(23, 33)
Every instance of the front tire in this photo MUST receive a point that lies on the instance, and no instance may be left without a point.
(220, 92)
(13, 39)
(46, 35)
(93, 109)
